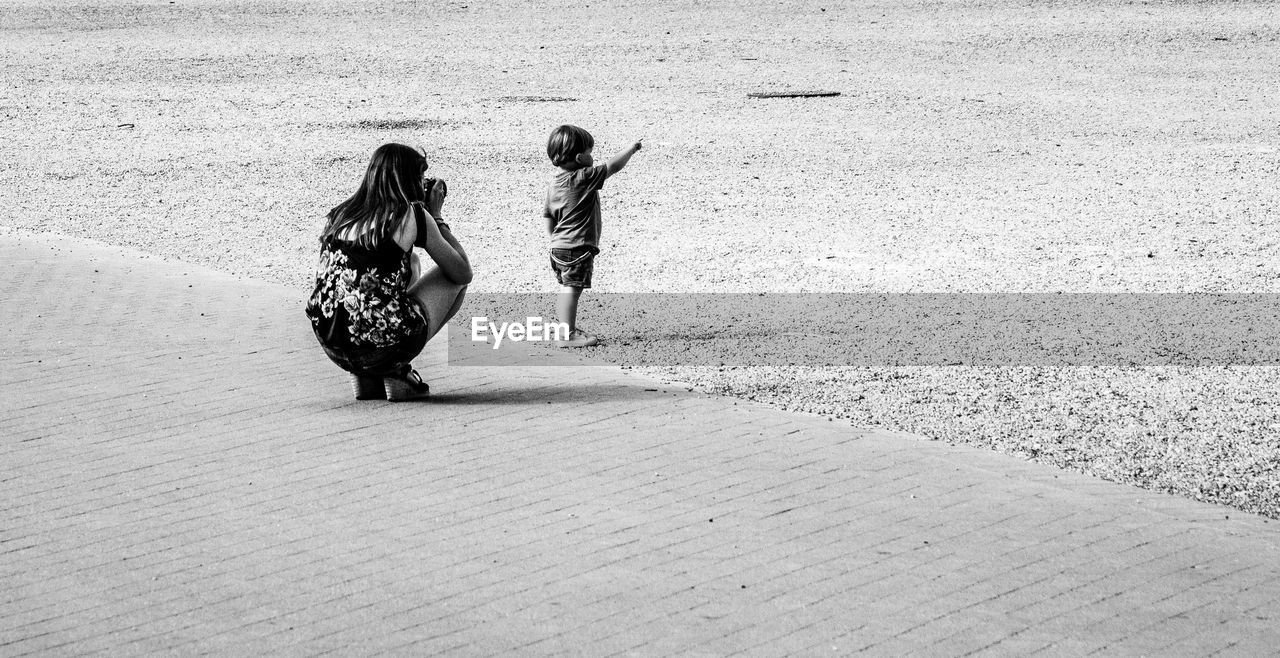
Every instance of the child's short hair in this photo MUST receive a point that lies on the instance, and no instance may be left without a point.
(566, 142)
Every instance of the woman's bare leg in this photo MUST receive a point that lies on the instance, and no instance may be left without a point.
(439, 297)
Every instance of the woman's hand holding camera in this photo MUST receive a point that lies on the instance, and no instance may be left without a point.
(436, 192)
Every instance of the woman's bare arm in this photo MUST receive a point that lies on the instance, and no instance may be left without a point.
(448, 254)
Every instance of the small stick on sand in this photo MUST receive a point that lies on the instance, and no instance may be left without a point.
(791, 94)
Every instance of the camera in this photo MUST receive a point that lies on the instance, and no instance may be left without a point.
(429, 183)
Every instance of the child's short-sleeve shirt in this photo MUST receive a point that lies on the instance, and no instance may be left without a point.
(574, 206)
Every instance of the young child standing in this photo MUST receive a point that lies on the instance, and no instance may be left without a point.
(573, 219)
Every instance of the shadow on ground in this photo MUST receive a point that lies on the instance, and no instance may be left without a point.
(532, 395)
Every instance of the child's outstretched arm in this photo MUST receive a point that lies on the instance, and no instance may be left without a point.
(620, 160)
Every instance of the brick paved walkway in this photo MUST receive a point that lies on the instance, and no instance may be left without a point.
(184, 472)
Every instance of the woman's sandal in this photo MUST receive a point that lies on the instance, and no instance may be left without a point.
(368, 388)
(409, 386)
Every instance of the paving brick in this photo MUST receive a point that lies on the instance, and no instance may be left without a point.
(181, 483)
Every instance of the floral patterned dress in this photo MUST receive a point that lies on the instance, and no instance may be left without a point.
(361, 302)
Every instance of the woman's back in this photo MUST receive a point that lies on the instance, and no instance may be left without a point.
(361, 295)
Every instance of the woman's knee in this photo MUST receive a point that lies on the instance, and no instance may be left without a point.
(457, 302)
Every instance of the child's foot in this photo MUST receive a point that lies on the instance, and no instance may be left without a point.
(578, 338)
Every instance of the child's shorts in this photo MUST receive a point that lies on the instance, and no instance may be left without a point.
(573, 266)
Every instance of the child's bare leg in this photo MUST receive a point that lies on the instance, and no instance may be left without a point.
(567, 312)
(567, 306)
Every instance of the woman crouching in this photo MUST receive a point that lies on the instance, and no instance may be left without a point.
(374, 307)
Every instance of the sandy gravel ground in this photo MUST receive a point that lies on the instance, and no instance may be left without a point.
(975, 147)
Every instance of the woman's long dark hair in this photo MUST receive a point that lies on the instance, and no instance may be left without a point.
(392, 182)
